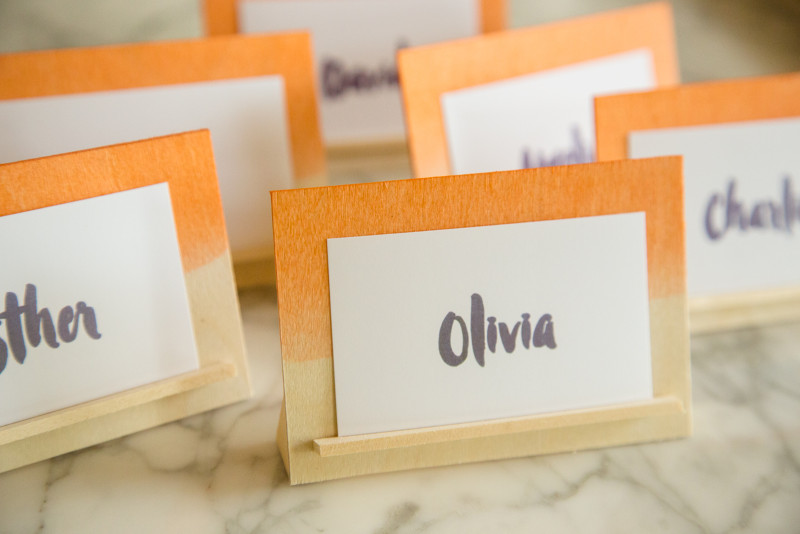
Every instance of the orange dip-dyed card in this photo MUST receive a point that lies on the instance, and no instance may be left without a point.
(129, 242)
(320, 235)
(739, 141)
(523, 98)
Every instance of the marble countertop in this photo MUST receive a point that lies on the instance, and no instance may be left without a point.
(221, 471)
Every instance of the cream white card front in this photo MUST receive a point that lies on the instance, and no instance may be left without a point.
(451, 326)
(247, 119)
(538, 120)
(742, 202)
(94, 302)
(355, 43)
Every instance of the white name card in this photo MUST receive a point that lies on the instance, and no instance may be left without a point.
(538, 120)
(94, 302)
(449, 326)
(355, 43)
(742, 202)
(247, 119)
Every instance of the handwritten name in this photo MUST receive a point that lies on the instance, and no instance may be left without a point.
(39, 324)
(725, 212)
(484, 333)
(338, 78)
(577, 152)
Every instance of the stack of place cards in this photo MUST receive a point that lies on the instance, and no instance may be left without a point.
(119, 304)
(255, 94)
(355, 44)
(524, 98)
(473, 317)
(739, 141)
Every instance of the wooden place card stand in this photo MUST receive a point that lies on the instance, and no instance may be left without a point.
(186, 164)
(304, 222)
(717, 105)
(429, 73)
(111, 70)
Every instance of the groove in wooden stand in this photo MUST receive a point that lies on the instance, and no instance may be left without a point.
(206, 375)
(339, 446)
(744, 310)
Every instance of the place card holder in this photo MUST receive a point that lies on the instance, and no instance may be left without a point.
(304, 221)
(185, 163)
(711, 104)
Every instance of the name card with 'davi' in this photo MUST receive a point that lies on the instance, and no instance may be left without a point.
(118, 308)
(483, 316)
(742, 191)
(355, 45)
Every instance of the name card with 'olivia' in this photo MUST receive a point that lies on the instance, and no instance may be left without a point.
(547, 312)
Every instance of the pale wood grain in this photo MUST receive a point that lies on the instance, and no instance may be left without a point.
(422, 436)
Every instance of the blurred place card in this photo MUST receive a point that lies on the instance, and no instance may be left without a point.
(113, 315)
(118, 306)
(742, 202)
(742, 185)
(489, 322)
(524, 98)
(246, 117)
(255, 94)
(539, 120)
(355, 43)
(481, 316)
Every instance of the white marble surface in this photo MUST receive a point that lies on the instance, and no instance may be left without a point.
(221, 472)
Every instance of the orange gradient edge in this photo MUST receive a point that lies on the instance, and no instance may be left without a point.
(184, 161)
(304, 219)
(426, 72)
(768, 97)
(106, 68)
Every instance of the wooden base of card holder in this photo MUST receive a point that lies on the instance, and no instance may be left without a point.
(744, 310)
(339, 446)
(204, 376)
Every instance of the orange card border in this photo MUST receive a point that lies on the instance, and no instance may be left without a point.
(304, 219)
(719, 102)
(219, 16)
(747, 99)
(128, 66)
(426, 72)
